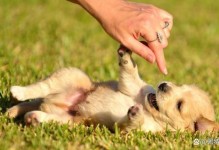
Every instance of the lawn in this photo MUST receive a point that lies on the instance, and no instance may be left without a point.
(40, 36)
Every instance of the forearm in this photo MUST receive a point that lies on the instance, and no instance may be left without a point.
(98, 8)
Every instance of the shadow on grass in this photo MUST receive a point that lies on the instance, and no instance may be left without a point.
(5, 103)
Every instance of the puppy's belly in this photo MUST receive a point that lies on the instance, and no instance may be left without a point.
(105, 106)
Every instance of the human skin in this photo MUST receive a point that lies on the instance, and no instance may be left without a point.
(128, 22)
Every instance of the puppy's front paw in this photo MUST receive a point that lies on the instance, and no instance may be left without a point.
(17, 92)
(125, 56)
(135, 111)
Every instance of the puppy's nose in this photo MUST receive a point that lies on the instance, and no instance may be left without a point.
(163, 87)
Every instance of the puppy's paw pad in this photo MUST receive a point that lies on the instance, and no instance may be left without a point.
(31, 119)
(12, 112)
(134, 111)
(17, 92)
(121, 52)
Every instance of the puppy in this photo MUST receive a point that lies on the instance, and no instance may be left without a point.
(69, 96)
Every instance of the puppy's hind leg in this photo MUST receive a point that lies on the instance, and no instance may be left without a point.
(24, 107)
(57, 82)
(129, 80)
(36, 117)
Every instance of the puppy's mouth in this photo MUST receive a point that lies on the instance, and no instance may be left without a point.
(153, 101)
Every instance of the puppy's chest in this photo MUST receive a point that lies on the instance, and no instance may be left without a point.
(150, 124)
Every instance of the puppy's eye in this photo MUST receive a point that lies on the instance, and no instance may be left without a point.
(179, 105)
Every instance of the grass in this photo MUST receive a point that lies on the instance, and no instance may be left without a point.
(40, 36)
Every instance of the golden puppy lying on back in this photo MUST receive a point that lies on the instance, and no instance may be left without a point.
(69, 96)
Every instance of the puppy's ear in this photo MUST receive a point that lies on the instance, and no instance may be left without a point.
(202, 124)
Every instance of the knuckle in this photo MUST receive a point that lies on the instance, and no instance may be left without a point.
(152, 16)
(146, 22)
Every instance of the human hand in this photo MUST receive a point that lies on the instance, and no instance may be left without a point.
(128, 22)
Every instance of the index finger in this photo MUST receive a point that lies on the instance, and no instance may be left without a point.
(155, 45)
(159, 54)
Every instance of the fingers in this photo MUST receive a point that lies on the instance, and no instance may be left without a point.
(166, 17)
(159, 54)
(160, 58)
(167, 33)
(144, 51)
(151, 33)
(165, 28)
(157, 49)
(164, 31)
(140, 49)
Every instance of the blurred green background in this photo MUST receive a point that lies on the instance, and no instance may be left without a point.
(39, 36)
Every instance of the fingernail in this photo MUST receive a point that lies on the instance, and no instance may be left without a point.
(165, 71)
(151, 58)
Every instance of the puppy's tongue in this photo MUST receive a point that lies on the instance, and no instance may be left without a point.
(152, 101)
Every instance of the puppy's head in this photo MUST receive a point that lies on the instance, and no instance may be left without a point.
(182, 107)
